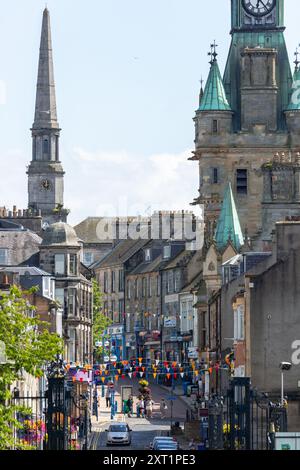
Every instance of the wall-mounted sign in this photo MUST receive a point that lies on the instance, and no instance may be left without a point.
(170, 322)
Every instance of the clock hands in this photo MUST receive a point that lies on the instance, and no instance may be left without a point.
(260, 1)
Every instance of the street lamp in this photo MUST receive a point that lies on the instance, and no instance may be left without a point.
(284, 366)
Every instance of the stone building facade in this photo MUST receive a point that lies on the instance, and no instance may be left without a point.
(60, 256)
(247, 116)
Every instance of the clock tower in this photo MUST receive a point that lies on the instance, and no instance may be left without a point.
(45, 172)
(248, 115)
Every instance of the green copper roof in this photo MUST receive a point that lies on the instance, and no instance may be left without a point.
(232, 80)
(214, 97)
(295, 97)
(228, 227)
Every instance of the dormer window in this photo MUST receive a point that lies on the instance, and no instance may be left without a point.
(148, 254)
(167, 252)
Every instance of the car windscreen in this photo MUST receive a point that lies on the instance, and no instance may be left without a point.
(118, 428)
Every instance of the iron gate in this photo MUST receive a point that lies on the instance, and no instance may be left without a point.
(251, 418)
(59, 419)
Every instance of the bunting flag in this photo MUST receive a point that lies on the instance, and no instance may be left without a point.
(119, 370)
(168, 376)
(181, 375)
(154, 375)
(156, 362)
(130, 375)
(103, 379)
(117, 377)
(141, 374)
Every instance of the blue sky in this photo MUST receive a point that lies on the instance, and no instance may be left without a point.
(127, 77)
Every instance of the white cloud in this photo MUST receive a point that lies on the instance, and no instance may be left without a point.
(120, 183)
(109, 183)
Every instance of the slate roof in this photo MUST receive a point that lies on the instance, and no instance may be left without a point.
(87, 230)
(24, 270)
(60, 234)
(121, 253)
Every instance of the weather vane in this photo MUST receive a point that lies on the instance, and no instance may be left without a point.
(213, 52)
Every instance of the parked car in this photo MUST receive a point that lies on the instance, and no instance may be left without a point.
(165, 445)
(118, 433)
(162, 439)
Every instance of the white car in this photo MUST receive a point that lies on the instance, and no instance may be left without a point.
(118, 434)
(163, 440)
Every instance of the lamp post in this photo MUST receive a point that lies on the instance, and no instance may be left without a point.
(284, 366)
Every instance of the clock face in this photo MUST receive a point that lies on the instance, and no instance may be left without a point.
(258, 7)
(46, 185)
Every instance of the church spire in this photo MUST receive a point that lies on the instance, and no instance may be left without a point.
(45, 107)
(45, 172)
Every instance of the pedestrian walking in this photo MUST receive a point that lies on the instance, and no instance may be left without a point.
(130, 406)
(149, 408)
(142, 408)
(108, 397)
(163, 408)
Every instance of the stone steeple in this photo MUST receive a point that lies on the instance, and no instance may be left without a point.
(45, 107)
(45, 173)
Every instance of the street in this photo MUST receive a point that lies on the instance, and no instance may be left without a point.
(143, 429)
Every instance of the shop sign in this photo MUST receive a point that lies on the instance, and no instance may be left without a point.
(193, 353)
(170, 299)
(170, 322)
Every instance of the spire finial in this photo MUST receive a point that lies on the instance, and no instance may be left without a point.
(213, 52)
(296, 61)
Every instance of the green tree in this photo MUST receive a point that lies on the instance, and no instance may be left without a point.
(28, 346)
(101, 322)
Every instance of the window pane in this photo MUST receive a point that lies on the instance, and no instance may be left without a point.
(60, 296)
(72, 302)
(4, 256)
(88, 259)
(242, 181)
(60, 264)
(167, 252)
(73, 265)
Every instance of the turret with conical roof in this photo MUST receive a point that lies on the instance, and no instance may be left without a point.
(228, 226)
(214, 97)
(214, 115)
(45, 173)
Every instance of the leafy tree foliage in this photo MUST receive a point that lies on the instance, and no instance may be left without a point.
(101, 322)
(28, 346)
